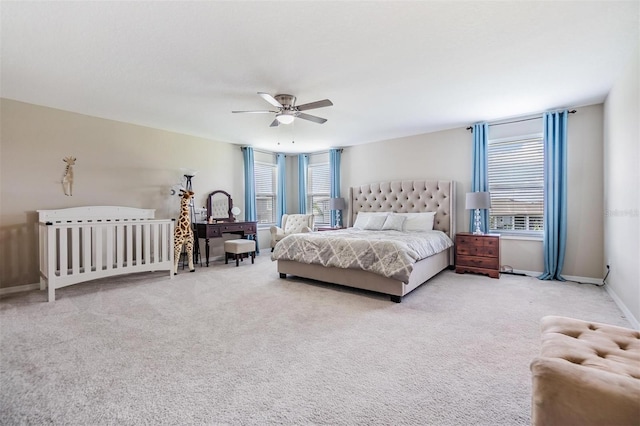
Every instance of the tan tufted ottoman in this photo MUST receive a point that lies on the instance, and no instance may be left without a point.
(587, 374)
(238, 249)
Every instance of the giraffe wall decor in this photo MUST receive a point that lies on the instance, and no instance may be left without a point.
(183, 233)
(67, 178)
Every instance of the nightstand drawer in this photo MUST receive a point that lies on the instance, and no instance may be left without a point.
(472, 250)
(469, 240)
(477, 262)
(474, 240)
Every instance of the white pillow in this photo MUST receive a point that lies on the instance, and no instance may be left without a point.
(418, 221)
(375, 223)
(394, 222)
(363, 217)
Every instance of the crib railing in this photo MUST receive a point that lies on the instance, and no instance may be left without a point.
(83, 244)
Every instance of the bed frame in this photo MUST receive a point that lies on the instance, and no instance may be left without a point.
(398, 197)
(86, 243)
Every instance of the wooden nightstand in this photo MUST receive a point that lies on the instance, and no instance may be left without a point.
(478, 253)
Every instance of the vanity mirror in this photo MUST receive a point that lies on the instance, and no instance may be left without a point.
(219, 205)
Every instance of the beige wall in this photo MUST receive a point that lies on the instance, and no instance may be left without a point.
(117, 164)
(622, 187)
(447, 155)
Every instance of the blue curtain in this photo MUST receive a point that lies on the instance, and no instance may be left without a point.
(480, 176)
(334, 171)
(281, 202)
(555, 194)
(303, 165)
(250, 213)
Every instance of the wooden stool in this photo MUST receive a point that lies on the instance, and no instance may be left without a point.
(239, 249)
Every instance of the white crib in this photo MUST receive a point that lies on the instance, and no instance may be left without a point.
(86, 243)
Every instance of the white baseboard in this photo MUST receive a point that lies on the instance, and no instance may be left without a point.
(527, 273)
(19, 288)
(597, 281)
(627, 313)
(581, 280)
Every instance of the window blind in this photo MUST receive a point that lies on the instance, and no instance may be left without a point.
(318, 190)
(516, 184)
(265, 178)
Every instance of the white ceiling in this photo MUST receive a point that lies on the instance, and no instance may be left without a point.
(391, 68)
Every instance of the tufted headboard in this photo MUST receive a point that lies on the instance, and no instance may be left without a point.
(407, 196)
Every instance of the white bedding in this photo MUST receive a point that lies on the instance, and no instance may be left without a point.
(387, 253)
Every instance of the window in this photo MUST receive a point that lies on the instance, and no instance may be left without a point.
(265, 177)
(318, 193)
(516, 184)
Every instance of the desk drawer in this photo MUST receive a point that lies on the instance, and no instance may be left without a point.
(212, 232)
(233, 227)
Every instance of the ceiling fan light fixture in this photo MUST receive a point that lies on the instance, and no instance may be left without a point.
(285, 118)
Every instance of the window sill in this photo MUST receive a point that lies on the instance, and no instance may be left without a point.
(519, 237)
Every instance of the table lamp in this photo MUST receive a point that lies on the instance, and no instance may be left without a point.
(477, 201)
(337, 204)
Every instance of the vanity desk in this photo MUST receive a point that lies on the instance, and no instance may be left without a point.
(222, 221)
(216, 230)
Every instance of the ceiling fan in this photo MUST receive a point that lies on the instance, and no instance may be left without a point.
(287, 109)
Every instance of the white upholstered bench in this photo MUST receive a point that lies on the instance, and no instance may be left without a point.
(238, 249)
(587, 374)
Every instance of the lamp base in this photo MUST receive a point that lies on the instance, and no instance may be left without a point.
(477, 221)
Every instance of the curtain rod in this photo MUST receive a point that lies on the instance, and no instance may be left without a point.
(470, 128)
(275, 152)
(258, 150)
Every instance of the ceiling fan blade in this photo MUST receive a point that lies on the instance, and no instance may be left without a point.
(274, 123)
(254, 112)
(267, 97)
(314, 105)
(311, 118)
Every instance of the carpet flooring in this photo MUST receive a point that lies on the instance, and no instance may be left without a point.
(230, 345)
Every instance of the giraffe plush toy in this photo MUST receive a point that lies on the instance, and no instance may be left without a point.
(67, 178)
(183, 234)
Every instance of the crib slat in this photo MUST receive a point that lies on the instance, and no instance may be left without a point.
(98, 261)
(172, 240)
(51, 264)
(155, 258)
(129, 245)
(138, 244)
(62, 239)
(44, 255)
(109, 248)
(75, 250)
(163, 241)
(147, 244)
(86, 249)
(119, 245)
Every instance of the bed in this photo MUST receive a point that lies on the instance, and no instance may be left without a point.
(416, 196)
